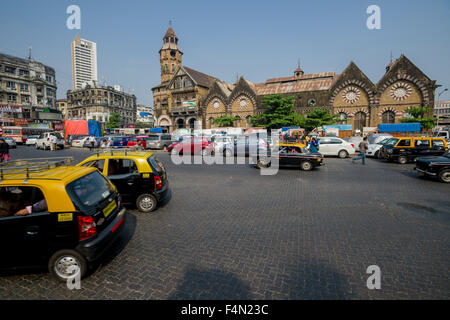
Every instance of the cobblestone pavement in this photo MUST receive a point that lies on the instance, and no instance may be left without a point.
(229, 233)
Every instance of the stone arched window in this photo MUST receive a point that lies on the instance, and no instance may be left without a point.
(388, 117)
(237, 121)
(360, 120)
(247, 120)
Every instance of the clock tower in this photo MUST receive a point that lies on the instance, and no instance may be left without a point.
(170, 55)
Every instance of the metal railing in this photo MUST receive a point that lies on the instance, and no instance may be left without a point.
(23, 169)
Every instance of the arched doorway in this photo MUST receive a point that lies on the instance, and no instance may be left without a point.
(388, 117)
(180, 124)
(360, 120)
(191, 123)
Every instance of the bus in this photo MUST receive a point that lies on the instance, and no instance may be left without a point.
(20, 134)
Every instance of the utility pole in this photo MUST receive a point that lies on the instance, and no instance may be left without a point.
(439, 100)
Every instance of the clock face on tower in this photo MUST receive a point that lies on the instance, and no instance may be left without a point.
(173, 53)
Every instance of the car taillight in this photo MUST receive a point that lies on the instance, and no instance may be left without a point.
(86, 227)
(353, 145)
(158, 182)
(158, 141)
(119, 197)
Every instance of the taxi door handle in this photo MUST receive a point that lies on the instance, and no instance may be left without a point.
(32, 231)
(130, 183)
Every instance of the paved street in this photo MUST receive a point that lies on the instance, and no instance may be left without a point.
(229, 233)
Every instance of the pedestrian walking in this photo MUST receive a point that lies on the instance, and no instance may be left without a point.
(363, 146)
(53, 142)
(313, 145)
(91, 142)
(4, 151)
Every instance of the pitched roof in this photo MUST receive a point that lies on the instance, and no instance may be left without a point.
(308, 83)
(303, 77)
(170, 33)
(200, 78)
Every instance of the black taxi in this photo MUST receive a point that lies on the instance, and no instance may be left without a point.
(406, 149)
(57, 215)
(139, 176)
(291, 155)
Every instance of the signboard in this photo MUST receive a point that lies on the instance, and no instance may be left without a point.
(8, 108)
(343, 127)
(39, 125)
(190, 103)
(58, 126)
(21, 122)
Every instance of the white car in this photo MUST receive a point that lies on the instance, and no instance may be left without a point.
(374, 149)
(79, 143)
(43, 142)
(31, 140)
(333, 146)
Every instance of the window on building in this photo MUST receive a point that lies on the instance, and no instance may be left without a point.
(360, 120)
(10, 69)
(10, 85)
(12, 98)
(388, 117)
(24, 72)
(24, 87)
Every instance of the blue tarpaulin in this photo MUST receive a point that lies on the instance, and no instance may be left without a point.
(95, 128)
(288, 128)
(341, 127)
(399, 127)
(156, 130)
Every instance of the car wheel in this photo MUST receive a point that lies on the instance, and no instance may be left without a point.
(174, 151)
(402, 160)
(146, 203)
(37, 147)
(65, 264)
(343, 154)
(228, 153)
(377, 155)
(263, 163)
(444, 176)
(306, 166)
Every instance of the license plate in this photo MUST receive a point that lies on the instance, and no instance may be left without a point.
(421, 173)
(109, 208)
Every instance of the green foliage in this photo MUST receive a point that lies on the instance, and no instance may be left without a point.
(225, 121)
(143, 125)
(318, 118)
(279, 113)
(114, 121)
(418, 114)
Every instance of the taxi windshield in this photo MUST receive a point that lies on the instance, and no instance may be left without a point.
(391, 142)
(86, 192)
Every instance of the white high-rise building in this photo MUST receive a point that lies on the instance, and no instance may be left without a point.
(84, 62)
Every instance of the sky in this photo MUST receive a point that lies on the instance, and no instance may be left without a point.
(228, 39)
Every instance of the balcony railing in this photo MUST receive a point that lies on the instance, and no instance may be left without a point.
(184, 110)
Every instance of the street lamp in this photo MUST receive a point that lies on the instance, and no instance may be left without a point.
(439, 100)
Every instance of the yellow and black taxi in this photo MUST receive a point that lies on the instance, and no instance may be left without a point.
(406, 149)
(438, 167)
(139, 176)
(57, 215)
(291, 155)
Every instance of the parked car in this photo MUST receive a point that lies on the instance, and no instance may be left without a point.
(139, 177)
(355, 141)
(244, 145)
(72, 137)
(159, 141)
(407, 149)
(79, 142)
(375, 138)
(97, 142)
(291, 155)
(435, 167)
(43, 142)
(75, 214)
(374, 149)
(31, 140)
(191, 145)
(119, 141)
(11, 142)
(332, 146)
(134, 141)
(219, 141)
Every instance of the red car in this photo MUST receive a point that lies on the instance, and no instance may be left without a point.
(191, 145)
(134, 140)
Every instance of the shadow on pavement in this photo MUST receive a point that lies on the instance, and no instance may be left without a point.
(207, 284)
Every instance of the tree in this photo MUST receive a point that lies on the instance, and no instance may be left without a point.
(114, 121)
(279, 113)
(318, 118)
(143, 125)
(225, 121)
(418, 114)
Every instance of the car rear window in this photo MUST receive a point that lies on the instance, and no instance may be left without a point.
(153, 138)
(86, 192)
(155, 164)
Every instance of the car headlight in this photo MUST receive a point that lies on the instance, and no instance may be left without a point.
(389, 151)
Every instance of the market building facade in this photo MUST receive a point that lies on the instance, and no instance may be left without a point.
(185, 95)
